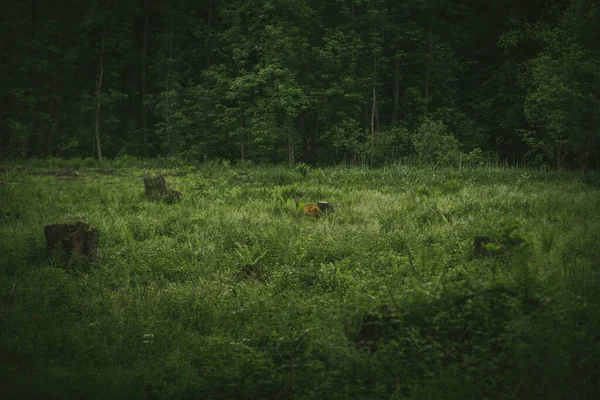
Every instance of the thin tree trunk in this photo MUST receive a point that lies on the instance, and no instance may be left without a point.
(49, 129)
(33, 18)
(366, 119)
(374, 100)
(376, 119)
(134, 111)
(396, 93)
(374, 112)
(241, 110)
(559, 156)
(168, 106)
(373, 108)
(290, 141)
(590, 141)
(242, 127)
(304, 135)
(354, 52)
(429, 61)
(313, 135)
(209, 22)
(54, 112)
(57, 111)
(144, 67)
(98, 91)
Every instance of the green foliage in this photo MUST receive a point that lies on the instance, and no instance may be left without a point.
(389, 145)
(234, 293)
(564, 80)
(475, 158)
(348, 137)
(433, 143)
(356, 82)
(303, 168)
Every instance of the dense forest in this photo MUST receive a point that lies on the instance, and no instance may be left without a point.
(315, 81)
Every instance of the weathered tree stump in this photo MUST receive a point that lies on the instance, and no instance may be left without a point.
(479, 248)
(73, 242)
(156, 188)
(324, 206)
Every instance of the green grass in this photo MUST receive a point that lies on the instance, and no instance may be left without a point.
(234, 293)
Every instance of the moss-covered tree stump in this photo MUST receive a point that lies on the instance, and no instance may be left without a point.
(73, 242)
(156, 189)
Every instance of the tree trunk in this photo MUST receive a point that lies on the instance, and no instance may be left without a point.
(144, 67)
(290, 141)
(53, 128)
(313, 135)
(376, 119)
(241, 110)
(304, 135)
(374, 109)
(134, 111)
(167, 100)
(366, 118)
(396, 84)
(98, 91)
(33, 18)
(52, 106)
(374, 100)
(354, 52)
(242, 128)
(559, 157)
(209, 22)
(429, 61)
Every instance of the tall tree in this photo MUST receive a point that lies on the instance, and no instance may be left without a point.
(563, 100)
(98, 94)
(146, 11)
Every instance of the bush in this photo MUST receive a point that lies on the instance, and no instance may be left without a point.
(475, 158)
(434, 144)
(389, 145)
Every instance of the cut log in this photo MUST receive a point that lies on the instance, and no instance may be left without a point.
(73, 242)
(324, 206)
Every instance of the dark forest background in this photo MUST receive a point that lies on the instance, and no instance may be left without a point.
(313, 81)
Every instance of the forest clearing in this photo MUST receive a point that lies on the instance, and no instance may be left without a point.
(233, 291)
(300, 199)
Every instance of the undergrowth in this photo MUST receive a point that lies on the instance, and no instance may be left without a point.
(233, 292)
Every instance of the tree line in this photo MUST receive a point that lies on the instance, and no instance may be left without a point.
(312, 81)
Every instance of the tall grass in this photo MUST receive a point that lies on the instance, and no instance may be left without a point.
(234, 293)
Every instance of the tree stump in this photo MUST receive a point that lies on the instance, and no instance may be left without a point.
(73, 242)
(479, 249)
(324, 206)
(156, 187)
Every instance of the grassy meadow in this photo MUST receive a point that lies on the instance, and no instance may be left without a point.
(234, 293)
